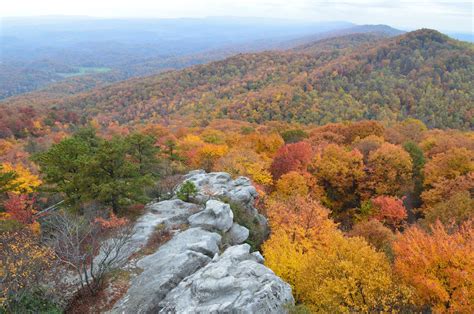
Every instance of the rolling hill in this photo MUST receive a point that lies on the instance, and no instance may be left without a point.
(38, 52)
(422, 74)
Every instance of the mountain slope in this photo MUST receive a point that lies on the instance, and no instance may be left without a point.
(422, 74)
(38, 52)
(61, 69)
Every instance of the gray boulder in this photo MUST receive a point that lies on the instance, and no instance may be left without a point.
(234, 282)
(219, 185)
(216, 215)
(238, 234)
(242, 191)
(258, 257)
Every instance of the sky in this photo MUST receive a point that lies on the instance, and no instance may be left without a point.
(446, 15)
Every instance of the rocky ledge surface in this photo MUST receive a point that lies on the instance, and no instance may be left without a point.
(206, 267)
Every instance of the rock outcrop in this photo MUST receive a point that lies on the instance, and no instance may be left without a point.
(182, 256)
(219, 185)
(204, 268)
(233, 281)
(216, 215)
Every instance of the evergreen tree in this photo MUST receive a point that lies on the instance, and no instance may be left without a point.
(86, 167)
(418, 160)
(143, 151)
(6, 180)
(63, 165)
(114, 179)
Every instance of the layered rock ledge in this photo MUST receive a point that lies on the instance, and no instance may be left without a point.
(204, 268)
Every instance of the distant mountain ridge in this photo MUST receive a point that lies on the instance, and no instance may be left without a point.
(382, 31)
(133, 48)
(129, 47)
(422, 74)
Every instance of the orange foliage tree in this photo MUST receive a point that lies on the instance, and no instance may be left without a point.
(456, 209)
(304, 218)
(375, 233)
(20, 207)
(439, 265)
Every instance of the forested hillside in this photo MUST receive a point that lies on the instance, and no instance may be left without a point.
(422, 74)
(39, 52)
(360, 149)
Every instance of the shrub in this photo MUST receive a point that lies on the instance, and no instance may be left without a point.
(187, 191)
(294, 136)
(90, 248)
(160, 235)
(24, 263)
(257, 231)
(35, 301)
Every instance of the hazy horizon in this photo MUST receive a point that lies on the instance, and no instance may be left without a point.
(452, 16)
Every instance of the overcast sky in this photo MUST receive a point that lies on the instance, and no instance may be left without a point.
(447, 15)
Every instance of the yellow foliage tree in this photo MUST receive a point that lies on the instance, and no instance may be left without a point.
(285, 256)
(390, 171)
(245, 162)
(265, 144)
(448, 166)
(5, 146)
(25, 182)
(347, 276)
(208, 154)
(340, 172)
(259, 173)
(291, 184)
(328, 272)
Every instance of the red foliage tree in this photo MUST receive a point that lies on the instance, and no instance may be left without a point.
(20, 207)
(389, 210)
(291, 157)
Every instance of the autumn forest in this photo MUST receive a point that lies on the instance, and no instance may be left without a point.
(360, 146)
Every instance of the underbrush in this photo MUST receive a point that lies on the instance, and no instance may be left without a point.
(113, 288)
(257, 232)
(34, 301)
